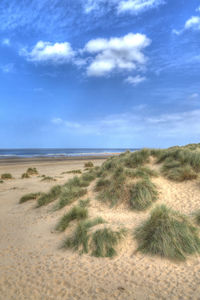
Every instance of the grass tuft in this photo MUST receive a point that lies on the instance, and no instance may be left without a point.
(1, 181)
(73, 172)
(84, 203)
(141, 172)
(168, 234)
(89, 164)
(69, 194)
(137, 158)
(6, 176)
(101, 184)
(25, 175)
(52, 195)
(79, 241)
(173, 171)
(105, 240)
(32, 171)
(31, 196)
(48, 178)
(197, 217)
(75, 213)
(142, 195)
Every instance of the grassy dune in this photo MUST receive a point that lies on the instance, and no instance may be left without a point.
(128, 180)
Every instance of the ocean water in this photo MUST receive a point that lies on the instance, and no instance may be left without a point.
(59, 152)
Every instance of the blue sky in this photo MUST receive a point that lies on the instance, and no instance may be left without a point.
(99, 73)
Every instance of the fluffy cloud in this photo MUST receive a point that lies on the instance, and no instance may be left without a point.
(193, 23)
(135, 80)
(137, 6)
(119, 54)
(49, 52)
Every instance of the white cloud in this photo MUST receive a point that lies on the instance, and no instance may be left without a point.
(8, 68)
(121, 6)
(117, 54)
(91, 5)
(135, 80)
(49, 52)
(198, 8)
(138, 126)
(194, 96)
(67, 124)
(193, 23)
(6, 42)
(137, 6)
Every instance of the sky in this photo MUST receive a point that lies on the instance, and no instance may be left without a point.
(99, 73)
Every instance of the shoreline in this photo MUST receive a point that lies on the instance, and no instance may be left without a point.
(41, 159)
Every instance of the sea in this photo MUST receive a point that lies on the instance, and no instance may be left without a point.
(59, 152)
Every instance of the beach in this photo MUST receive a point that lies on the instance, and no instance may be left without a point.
(32, 265)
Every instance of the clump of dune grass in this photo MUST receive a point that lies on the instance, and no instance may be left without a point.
(1, 181)
(84, 203)
(89, 164)
(137, 158)
(104, 242)
(75, 213)
(89, 176)
(112, 190)
(167, 233)
(141, 172)
(112, 194)
(79, 240)
(52, 195)
(72, 172)
(182, 155)
(142, 195)
(6, 176)
(48, 178)
(69, 194)
(101, 184)
(109, 165)
(31, 196)
(25, 175)
(197, 217)
(180, 173)
(32, 171)
(83, 181)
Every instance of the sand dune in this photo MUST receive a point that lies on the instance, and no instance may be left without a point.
(33, 267)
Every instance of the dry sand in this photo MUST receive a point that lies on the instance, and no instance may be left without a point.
(33, 267)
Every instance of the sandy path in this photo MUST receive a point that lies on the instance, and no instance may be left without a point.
(32, 266)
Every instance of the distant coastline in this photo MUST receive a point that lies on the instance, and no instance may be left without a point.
(59, 152)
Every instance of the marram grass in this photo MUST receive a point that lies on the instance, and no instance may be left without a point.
(69, 194)
(181, 174)
(197, 217)
(32, 171)
(52, 195)
(31, 196)
(104, 242)
(75, 213)
(79, 240)
(142, 195)
(6, 176)
(168, 234)
(89, 164)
